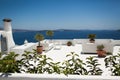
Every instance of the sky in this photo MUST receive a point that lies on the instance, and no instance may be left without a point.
(61, 14)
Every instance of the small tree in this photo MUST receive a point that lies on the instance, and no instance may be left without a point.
(92, 37)
(39, 37)
(50, 33)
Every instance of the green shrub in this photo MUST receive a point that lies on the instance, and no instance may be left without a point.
(32, 62)
(40, 63)
(35, 63)
(9, 64)
(74, 65)
(113, 62)
(55, 67)
(93, 64)
(100, 47)
(108, 53)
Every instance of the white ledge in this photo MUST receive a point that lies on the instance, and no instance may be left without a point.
(57, 76)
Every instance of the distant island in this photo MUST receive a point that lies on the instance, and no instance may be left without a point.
(24, 30)
(118, 30)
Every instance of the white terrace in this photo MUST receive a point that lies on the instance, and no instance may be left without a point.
(57, 50)
(79, 46)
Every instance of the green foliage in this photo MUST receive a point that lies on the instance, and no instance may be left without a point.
(100, 47)
(91, 36)
(0, 54)
(92, 63)
(50, 33)
(55, 67)
(44, 64)
(73, 65)
(39, 37)
(32, 62)
(113, 62)
(26, 60)
(9, 64)
(35, 63)
(108, 53)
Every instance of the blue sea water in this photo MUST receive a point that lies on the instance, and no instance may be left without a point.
(19, 37)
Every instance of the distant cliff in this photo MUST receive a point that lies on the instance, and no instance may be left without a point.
(118, 30)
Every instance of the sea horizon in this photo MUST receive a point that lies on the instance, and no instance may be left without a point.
(21, 35)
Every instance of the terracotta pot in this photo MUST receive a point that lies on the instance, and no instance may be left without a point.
(69, 43)
(92, 41)
(39, 49)
(101, 53)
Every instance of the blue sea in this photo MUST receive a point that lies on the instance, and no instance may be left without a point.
(21, 36)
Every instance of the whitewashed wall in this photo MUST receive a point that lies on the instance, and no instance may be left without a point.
(16, 76)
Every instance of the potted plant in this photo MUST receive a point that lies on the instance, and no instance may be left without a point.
(39, 37)
(100, 51)
(69, 43)
(50, 33)
(92, 38)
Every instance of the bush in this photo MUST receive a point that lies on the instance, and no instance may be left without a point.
(74, 65)
(35, 63)
(32, 62)
(113, 62)
(9, 64)
(108, 53)
(93, 64)
(100, 47)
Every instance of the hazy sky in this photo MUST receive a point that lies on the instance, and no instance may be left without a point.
(61, 14)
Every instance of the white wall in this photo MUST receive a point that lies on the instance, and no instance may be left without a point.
(88, 47)
(18, 76)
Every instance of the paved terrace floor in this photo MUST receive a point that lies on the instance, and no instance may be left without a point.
(59, 55)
